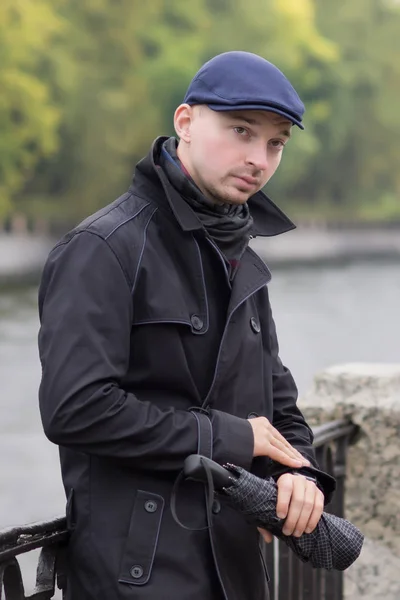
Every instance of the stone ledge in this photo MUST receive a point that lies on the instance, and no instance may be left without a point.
(370, 579)
(369, 394)
(346, 387)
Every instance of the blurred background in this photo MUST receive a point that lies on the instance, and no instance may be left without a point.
(85, 86)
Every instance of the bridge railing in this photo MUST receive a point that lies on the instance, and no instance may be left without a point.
(292, 579)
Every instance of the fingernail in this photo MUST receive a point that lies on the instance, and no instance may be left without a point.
(297, 534)
(308, 530)
(280, 515)
(285, 531)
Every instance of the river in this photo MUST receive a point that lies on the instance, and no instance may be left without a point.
(324, 316)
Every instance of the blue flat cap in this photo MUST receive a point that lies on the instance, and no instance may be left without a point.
(245, 81)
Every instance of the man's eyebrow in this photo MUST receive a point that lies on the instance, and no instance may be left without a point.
(248, 120)
(286, 133)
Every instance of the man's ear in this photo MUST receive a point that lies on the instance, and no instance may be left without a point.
(182, 120)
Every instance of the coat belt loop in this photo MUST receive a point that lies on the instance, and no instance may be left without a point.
(205, 431)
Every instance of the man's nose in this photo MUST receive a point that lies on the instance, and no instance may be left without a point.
(257, 157)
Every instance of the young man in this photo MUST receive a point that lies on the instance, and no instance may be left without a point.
(157, 342)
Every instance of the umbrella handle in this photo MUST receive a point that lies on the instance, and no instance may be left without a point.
(195, 467)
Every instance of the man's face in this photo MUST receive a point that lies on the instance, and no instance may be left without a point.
(230, 155)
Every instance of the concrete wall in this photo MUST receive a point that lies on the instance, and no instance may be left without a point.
(370, 395)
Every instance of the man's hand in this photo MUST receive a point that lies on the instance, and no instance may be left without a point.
(269, 442)
(300, 502)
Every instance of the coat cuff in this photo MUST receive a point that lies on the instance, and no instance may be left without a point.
(325, 482)
(233, 439)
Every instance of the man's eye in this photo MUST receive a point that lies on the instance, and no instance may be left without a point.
(278, 144)
(241, 130)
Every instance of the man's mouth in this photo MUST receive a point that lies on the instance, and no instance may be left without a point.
(248, 180)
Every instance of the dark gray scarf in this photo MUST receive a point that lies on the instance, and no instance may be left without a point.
(228, 225)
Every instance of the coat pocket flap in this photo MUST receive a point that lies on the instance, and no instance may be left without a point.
(141, 544)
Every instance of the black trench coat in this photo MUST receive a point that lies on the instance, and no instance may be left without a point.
(140, 328)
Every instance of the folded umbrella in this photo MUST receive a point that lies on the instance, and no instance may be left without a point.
(334, 544)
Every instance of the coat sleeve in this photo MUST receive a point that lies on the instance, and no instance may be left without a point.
(85, 308)
(289, 420)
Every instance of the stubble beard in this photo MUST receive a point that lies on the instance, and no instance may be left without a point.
(220, 197)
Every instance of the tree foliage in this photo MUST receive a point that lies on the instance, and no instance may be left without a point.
(86, 85)
(28, 116)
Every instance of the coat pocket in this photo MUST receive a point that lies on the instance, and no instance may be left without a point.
(141, 543)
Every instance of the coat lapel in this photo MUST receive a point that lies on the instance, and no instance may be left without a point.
(252, 275)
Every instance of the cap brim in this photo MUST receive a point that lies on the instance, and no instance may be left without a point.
(226, 107)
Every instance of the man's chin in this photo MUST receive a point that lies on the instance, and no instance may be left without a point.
(239, 196)
(232, 196)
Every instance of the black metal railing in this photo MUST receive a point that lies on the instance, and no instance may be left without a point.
(51, 537)
(290, 578)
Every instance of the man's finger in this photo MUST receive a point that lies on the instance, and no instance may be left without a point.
(285, 491)
(281, 457)
(267, 536)
(308, 507)
(317, 512)
(289, 451)
(278, 437)
(296, 503)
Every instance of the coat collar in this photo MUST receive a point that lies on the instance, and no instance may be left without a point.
(268, 219)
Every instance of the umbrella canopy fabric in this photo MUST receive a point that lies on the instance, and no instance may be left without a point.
(334, 544)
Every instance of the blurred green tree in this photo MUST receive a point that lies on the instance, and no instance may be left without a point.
(134, 61)
(28, 115)
(86, 85)
(356, 174)
(129, 58)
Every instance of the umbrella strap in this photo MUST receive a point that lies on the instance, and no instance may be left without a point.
(209, 492)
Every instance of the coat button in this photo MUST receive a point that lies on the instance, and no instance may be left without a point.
(252, 415)
(216, 507)
(255, 325)
(197, 323)
(150, 506)
(137, 572)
